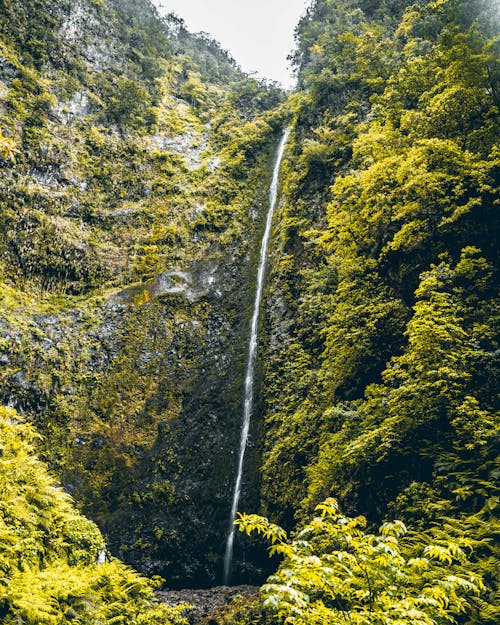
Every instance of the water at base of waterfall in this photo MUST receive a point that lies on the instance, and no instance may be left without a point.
(252, 356)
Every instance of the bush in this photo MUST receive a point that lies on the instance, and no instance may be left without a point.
(335, 572)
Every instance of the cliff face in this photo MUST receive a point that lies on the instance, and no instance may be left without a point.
(129, 216)
(380, 324)
(133, 192)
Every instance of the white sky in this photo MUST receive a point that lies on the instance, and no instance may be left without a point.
(257, 33)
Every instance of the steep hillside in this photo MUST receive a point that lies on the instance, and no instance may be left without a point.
(131, 206)
(381, 348)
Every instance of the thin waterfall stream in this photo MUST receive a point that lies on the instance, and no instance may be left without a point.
(252, 356)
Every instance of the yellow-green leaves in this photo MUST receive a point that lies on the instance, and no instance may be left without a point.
(48, 551)
(7, 147)
(334, 572)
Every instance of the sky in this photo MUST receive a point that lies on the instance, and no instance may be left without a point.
(257, 33)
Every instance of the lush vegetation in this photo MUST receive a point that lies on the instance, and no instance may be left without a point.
(134, 161)
(335, 572)
(382, 348)
(48, 570)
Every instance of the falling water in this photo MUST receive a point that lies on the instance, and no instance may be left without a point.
(252, 356)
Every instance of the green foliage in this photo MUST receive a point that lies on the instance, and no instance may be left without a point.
(334, 572)
(7, 147)
(426, 392)
(48, 574)
(193, 89)
(381, 353)
(142, 160)
(37, 517)
(404, 193)
(130, 105)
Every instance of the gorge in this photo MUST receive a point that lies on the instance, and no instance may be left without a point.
(201, 315)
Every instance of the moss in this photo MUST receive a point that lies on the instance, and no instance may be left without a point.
(136, 389)
(49, 572)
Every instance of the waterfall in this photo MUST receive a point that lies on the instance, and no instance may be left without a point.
(252, 356)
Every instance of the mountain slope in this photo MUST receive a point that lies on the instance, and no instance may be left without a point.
(130, 215)
(381, 349)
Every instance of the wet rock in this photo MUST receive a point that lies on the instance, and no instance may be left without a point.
(206, 602)
(7, 70)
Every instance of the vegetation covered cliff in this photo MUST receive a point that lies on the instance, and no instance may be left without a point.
(133, 192)
(130, 214)
(381, 351)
